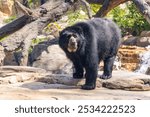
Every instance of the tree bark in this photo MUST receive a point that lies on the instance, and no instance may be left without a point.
(107, 6)
(144, 8)
(14, 26)
(21, 39)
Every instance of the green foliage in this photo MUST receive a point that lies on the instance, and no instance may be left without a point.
(129, 19)
(2, 39)
(51, 26)
(33, 3)
(38, 40)
(76, 17)
(95, 8)
(11, 18)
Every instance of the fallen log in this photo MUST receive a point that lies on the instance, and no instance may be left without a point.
(32, 24)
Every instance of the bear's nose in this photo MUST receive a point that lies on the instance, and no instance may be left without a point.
(72, 41)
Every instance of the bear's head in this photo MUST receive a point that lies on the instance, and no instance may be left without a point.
(70, 39)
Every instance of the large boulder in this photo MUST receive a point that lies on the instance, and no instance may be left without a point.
(6, 6)
(130, 57)
(131, 41)
(148, 71)
(145, 34)
(2, 55)
(50, 58)
(143, 41)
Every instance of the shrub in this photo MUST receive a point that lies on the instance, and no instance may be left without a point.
(129, 19)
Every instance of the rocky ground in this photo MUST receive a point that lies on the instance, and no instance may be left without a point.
(34, 83)
(50, 76)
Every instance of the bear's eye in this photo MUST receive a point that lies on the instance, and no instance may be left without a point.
(74, 35)
(69, 36)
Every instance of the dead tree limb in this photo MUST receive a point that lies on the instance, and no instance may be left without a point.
(14, 26)
(24, 9)
(87, 7)
(108, 5)
(48, 12)
(144, 8)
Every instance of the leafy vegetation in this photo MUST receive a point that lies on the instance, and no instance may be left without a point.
(77, 16)
(11, 18)
(129, 19)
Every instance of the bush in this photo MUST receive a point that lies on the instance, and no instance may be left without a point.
(129, 19)
(76, 17)
(10, 19)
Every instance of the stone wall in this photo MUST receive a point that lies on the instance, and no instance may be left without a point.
(6, 7)
(130, 58)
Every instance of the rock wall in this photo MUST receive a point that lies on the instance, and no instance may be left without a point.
(2, 55)
(130, 58)
(6, 7)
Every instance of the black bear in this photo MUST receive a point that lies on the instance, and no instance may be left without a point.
(87, 43)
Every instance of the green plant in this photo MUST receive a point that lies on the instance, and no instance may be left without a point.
(76, 17)
(95, 8)
(129, 19)
(11, 18)
(33, 3)
(38, 40)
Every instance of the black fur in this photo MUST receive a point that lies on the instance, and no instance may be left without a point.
(98, 39)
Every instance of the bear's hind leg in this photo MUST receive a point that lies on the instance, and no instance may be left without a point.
(108, 67)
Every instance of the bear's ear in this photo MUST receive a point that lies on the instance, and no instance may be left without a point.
(74, 35)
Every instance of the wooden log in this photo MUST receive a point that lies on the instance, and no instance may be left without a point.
(14, 26)
(21, 39)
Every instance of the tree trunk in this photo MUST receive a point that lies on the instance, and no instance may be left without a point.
(107, 6)
(144, 8)
(39, 18)
(14, 26)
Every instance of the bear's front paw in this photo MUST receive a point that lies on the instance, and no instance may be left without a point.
(105, 77)
(77, 75)
(88, 87)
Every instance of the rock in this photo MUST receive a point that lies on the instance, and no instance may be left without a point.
(148, 71)
(143, 41)
(10, 59)
(6, 6)
(130, 58)
(145, 62)
(131, 41)
(145, 34)
(50, 58)
(52, 29)
(59, 86)
(12, 79)
(130, 84)
(16, 74)
(2, 55)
